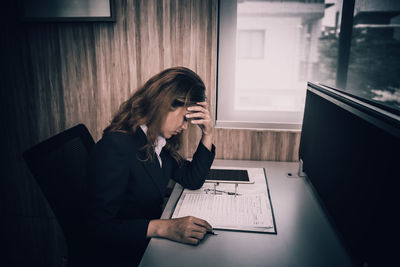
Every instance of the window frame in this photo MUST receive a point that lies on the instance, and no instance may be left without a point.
(227, 27)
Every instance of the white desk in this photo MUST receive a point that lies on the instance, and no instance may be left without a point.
(304, 235)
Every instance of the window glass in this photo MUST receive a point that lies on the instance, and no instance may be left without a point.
(374, 63)
(250, 44)
(268, 50)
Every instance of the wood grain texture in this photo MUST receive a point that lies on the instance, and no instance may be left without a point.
(257, 144)
(82, 72)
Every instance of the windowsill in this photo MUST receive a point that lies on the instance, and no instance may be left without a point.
(285, 127)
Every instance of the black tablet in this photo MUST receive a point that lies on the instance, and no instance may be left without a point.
(228, 176)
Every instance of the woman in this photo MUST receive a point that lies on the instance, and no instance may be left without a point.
(130, 167)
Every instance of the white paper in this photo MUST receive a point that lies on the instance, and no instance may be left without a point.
(227, 211)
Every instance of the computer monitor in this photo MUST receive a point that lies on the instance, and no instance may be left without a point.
(350, 151)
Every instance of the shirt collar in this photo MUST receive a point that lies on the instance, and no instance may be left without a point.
(159, 143)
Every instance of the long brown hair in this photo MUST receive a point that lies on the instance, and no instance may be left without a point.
(150, 104)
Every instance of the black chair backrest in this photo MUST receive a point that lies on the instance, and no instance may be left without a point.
(58, 164)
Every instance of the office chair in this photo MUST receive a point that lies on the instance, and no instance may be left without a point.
(58, 164)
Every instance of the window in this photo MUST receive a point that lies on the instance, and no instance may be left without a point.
(374, 60)
(250, 44)
(269, 49)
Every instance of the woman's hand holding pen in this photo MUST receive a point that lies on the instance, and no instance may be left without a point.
(190, 230)
(201, 117)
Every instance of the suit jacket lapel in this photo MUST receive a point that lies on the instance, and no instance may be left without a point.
(152, 167)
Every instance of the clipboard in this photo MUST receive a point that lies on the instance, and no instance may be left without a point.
(218, 209)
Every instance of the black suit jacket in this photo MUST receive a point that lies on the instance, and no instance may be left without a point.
(125, 193)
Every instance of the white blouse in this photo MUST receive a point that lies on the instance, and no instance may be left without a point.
(158, 145)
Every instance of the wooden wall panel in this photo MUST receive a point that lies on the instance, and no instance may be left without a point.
(82, 72)
(257, 144)
(56, 75)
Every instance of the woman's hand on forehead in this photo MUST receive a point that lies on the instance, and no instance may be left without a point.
(200, 106)
(200, 115)
(197, 111)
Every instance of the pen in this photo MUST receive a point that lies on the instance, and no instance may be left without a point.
(211, 233)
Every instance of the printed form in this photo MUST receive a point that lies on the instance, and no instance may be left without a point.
(226, 210)
(248, 211)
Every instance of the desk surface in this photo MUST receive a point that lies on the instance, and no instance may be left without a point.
(304, 235)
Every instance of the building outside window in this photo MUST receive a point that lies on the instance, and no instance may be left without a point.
(374, 66)
(268, 50)
(251, 44)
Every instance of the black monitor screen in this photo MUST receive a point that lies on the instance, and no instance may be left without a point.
(351, 155)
